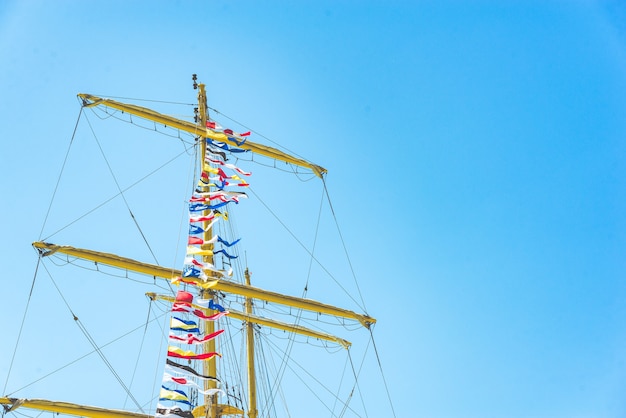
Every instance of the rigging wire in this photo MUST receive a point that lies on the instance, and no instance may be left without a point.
(317, 230)
(343, 243)
(356, 383)
(233, 364)
(163, 340)
(281, 370)
(30, 294)
(143, 339)
(132, 215)
(78, 359)
(343, 374)
(256, 133)
(306, 249)
(129, 120)
(264, 378)
(56, 187)
(97, 349)
(381, 373)
(184, 216)
(147, 100)
(115, 195)
(321, 384)
(348, 324)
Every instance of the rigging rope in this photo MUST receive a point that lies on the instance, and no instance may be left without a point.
(382, 374)
(132, 122)
(32, 286)
(97, 349)
(280, 352)
(343, 243)
(147, 100)
(306, 249)
(78, 359)
(233, 364)
(266, 385)
(164, 336)
(132, 215)
(257, 133)
(116, 195)
(67, 153)
(30, 294)
(143, 339)
(356, 383)
(281, 370)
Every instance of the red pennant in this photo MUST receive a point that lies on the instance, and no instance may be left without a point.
(184, 298)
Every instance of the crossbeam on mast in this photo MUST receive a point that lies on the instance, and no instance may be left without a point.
(222, 285)
(192, 128)
(271, 323)
(69, 408)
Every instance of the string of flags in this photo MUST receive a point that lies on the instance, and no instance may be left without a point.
(177, 378)
(206, 208)
(174, 367)
(238, 138)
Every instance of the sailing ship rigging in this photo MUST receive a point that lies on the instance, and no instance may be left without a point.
(209, 300)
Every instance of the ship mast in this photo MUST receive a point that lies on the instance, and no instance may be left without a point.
(252, 411)
(209, 287)
(212, 408)
(199, 129)
(209, 365)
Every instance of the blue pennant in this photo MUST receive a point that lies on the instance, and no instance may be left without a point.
(225, 253)
(226, 243)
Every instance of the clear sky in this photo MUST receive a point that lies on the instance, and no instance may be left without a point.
(477, 166)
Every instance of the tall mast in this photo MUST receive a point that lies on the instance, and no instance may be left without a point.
(209, 365)
(210, 286)
(252, 412)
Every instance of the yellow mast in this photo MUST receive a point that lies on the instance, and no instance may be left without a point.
(209, 287)
(209, 365)
(252, 412)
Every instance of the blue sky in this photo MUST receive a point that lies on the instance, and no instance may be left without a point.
(476, 166)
